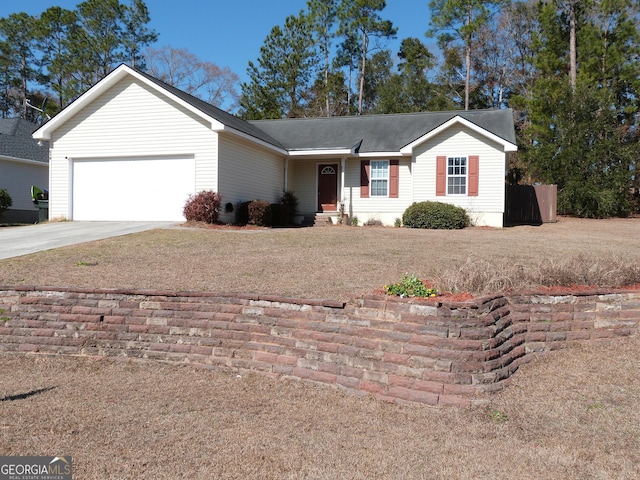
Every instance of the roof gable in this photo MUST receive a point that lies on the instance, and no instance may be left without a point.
(385, 134)
(458, 120)
(219, 119)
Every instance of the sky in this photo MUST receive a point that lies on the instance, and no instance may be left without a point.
(230, 33)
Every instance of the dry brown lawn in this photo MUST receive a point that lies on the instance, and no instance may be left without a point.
(574, 414)
(343, 262)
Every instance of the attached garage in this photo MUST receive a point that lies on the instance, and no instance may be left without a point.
(132, 189)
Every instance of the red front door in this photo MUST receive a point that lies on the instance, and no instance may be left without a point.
(328, 187)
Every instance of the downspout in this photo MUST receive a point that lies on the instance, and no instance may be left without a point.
(286, 174)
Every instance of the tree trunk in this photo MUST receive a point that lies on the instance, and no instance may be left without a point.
(467, 61)
(365, 46)
(573, 63)
(467, 80)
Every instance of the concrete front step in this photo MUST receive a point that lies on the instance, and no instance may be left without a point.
(324, 219)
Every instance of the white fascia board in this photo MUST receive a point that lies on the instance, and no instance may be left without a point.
(382, 154)
(44, 132)
(24, 160)
(320, 152)
(343, 153)
(507, 146)
(238, 133)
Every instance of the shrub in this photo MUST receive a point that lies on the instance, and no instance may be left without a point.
(5, 200)
(290, 199)
(373, 222)
(410, 286)
(435, 215)
(354, 221)
(280, 215)
(202, 207)
(242, 213)
(260, 213)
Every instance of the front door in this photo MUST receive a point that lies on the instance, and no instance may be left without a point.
(328, 187)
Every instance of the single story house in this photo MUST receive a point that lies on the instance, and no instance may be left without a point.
(23, 162)
(134, 148)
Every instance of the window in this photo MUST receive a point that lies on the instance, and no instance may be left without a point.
(379, 178)
(457, 176)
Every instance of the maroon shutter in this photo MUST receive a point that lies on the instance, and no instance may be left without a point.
(364, 178)
(441, 176)
(474, 168)
(394, 182)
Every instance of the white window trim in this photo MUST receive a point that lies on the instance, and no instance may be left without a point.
(372, 179)
(465, 176)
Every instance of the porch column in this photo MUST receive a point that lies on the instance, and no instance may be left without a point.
(342, 167)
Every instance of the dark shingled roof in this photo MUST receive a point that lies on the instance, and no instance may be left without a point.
(378, 133)
(363, 134)
(372, 133)
(16, 141)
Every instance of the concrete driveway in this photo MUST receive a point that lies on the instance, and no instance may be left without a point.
(16, 241)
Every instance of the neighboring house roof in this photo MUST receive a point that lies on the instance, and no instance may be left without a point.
(16, 141)
(379, 133)
(366, 134)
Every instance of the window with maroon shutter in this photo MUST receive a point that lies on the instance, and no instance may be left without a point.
(364, 178)
(457, 175)
(474, 170)
(379, 178)
(394, 178)
(441, 176)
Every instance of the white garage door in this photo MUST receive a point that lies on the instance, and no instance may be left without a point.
(152, 189)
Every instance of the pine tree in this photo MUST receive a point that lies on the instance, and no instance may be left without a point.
(18, 61)
(460, 21)
(582, 133)
(280, 83)
(361, 22)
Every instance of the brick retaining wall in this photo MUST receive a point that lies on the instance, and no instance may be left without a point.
(395, 349)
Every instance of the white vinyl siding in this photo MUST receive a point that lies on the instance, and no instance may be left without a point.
(248, 172)
(459, 141)
(17, 177)
(380, 208)
(130, 120)
(303, 182)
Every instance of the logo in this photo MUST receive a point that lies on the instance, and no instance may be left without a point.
(35, 468)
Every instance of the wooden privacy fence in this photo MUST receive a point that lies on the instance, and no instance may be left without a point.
(530, 204)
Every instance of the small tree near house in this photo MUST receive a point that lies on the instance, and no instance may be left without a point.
(5, 200)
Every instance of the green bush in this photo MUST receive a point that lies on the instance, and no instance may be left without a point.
(202, 207)
(260, 213)
(410, 286)
(435, 215)
(5, 200)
